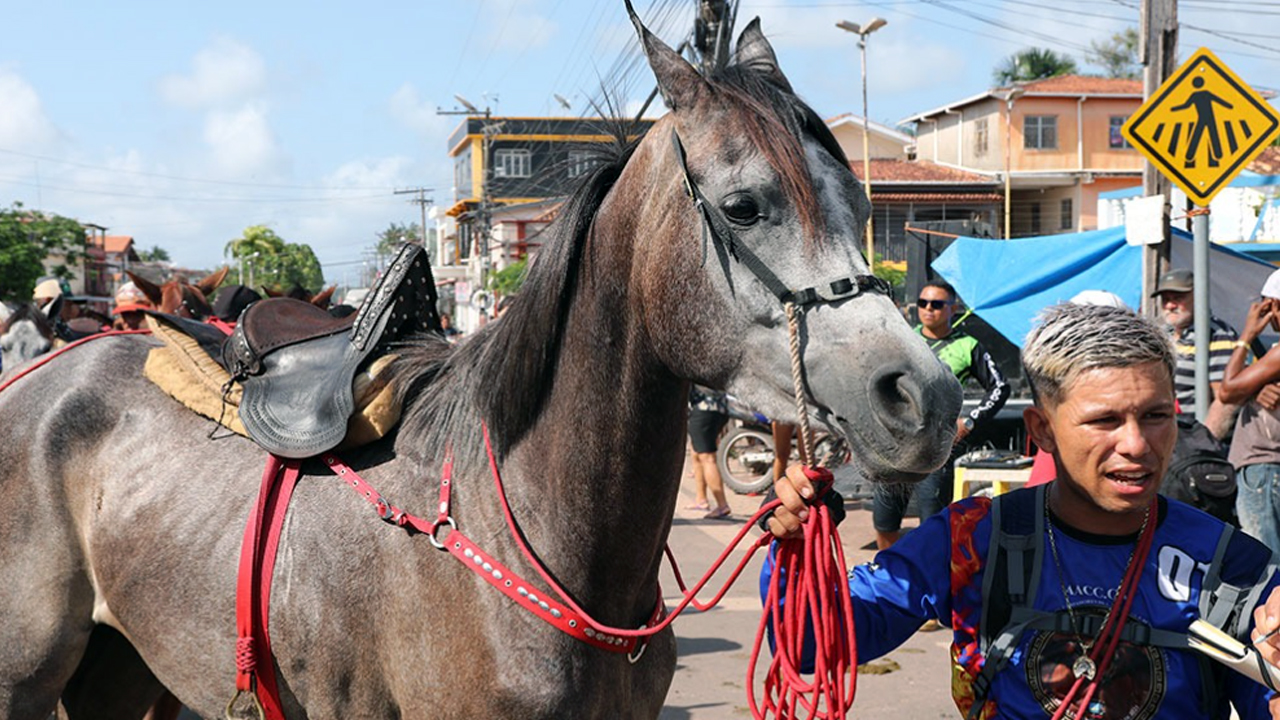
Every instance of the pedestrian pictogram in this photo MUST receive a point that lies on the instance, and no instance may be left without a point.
(1202, 126)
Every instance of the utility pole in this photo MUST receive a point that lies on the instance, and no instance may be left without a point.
(1158, 53)
(483, 213)
(422, 201)
(713, 33)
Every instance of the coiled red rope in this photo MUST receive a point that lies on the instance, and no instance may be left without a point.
(808, 596)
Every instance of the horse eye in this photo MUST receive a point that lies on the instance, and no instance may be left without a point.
(741, 209)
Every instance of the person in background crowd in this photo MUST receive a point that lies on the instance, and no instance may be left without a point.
(968, 359)
(1174, 289)
(1255, 445)
(131, 303)
(708, 415)
(1109, 544)
(451, 333)
(784, 438)
(46, 292)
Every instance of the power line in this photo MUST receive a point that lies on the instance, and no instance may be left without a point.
(179, 178)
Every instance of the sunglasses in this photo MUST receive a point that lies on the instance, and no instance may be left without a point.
(932, 304)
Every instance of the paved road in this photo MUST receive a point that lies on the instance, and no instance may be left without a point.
(714, 647)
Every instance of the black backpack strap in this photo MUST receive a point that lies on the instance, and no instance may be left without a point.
(1010, 582)
(1135, 633)
(1227, 602)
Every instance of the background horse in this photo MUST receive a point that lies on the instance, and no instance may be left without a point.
(121, 509)
(25, 335)
(178, 297)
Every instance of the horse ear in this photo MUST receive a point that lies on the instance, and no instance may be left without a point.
(148, 288)
(210, 282)
(321, 299)
(271, 293)
(755, 53)
(679, 82)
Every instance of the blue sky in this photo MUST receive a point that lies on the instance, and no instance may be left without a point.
(183, 123)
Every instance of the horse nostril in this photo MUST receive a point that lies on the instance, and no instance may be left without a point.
(896, 397)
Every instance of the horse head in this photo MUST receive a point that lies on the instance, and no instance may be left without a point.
(26, 334)
(760, 201)
(297, 292)
(178, 297)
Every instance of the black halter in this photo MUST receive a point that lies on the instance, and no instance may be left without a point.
(727, 246)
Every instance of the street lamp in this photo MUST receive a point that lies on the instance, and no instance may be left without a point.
(862, 31)
(1011, 95)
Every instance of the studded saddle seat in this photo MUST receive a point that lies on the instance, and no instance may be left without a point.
(296, 363)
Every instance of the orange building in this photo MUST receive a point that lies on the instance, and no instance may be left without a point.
(1054, 143)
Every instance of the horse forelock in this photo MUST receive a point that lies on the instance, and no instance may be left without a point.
(775, 122)
(505, 372)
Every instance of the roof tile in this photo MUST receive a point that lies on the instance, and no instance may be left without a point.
(918, 171)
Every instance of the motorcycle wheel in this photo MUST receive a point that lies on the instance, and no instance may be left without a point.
(745, 458)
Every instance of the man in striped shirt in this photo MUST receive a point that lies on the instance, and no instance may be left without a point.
(1175, 292)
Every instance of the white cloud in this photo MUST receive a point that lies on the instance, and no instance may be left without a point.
(386, 172)
(241, 141)
(409, 109)
(23, 124)
(226, 72)
(515, 26)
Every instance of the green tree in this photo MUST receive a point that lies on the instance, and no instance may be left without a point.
(297, 265)
(254, 253)
(1032, 64)
(396, 235)
(264, 258)
(1117, 55)
(27, 239)
(155, 254)
(509, 279)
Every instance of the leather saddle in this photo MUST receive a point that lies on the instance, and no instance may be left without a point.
(296, 363)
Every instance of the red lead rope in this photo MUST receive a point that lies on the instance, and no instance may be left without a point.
(1104, 647)
(808, 596)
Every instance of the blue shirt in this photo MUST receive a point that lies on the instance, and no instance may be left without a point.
(921, 578)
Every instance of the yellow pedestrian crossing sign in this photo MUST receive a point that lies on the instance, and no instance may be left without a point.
(1202, 126)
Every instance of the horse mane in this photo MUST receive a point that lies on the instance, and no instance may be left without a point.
(521, 350)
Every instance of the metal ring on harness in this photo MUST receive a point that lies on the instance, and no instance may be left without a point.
(431, 536)
(257, 705)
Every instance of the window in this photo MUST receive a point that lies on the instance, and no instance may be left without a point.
(1068, 217)
(511, 163)
(980, 137)
(1117, 141)
(1035, 218)
(462, 175)
(1040, 132)
(581, 162)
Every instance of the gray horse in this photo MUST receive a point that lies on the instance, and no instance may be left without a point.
(121, 519)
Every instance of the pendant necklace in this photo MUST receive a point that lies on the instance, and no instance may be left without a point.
(1085, 666)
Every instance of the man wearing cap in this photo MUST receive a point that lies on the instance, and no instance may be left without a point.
(46, 292)
(130, 304)
(1174, 291)
(1255, 448)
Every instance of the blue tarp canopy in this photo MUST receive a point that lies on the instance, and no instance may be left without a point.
(1008, 282)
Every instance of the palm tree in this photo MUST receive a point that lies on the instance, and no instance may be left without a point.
(1032, 64)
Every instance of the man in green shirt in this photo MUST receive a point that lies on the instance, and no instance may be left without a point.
(966, 357)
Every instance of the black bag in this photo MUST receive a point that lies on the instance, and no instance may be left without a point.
(1199, 473)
